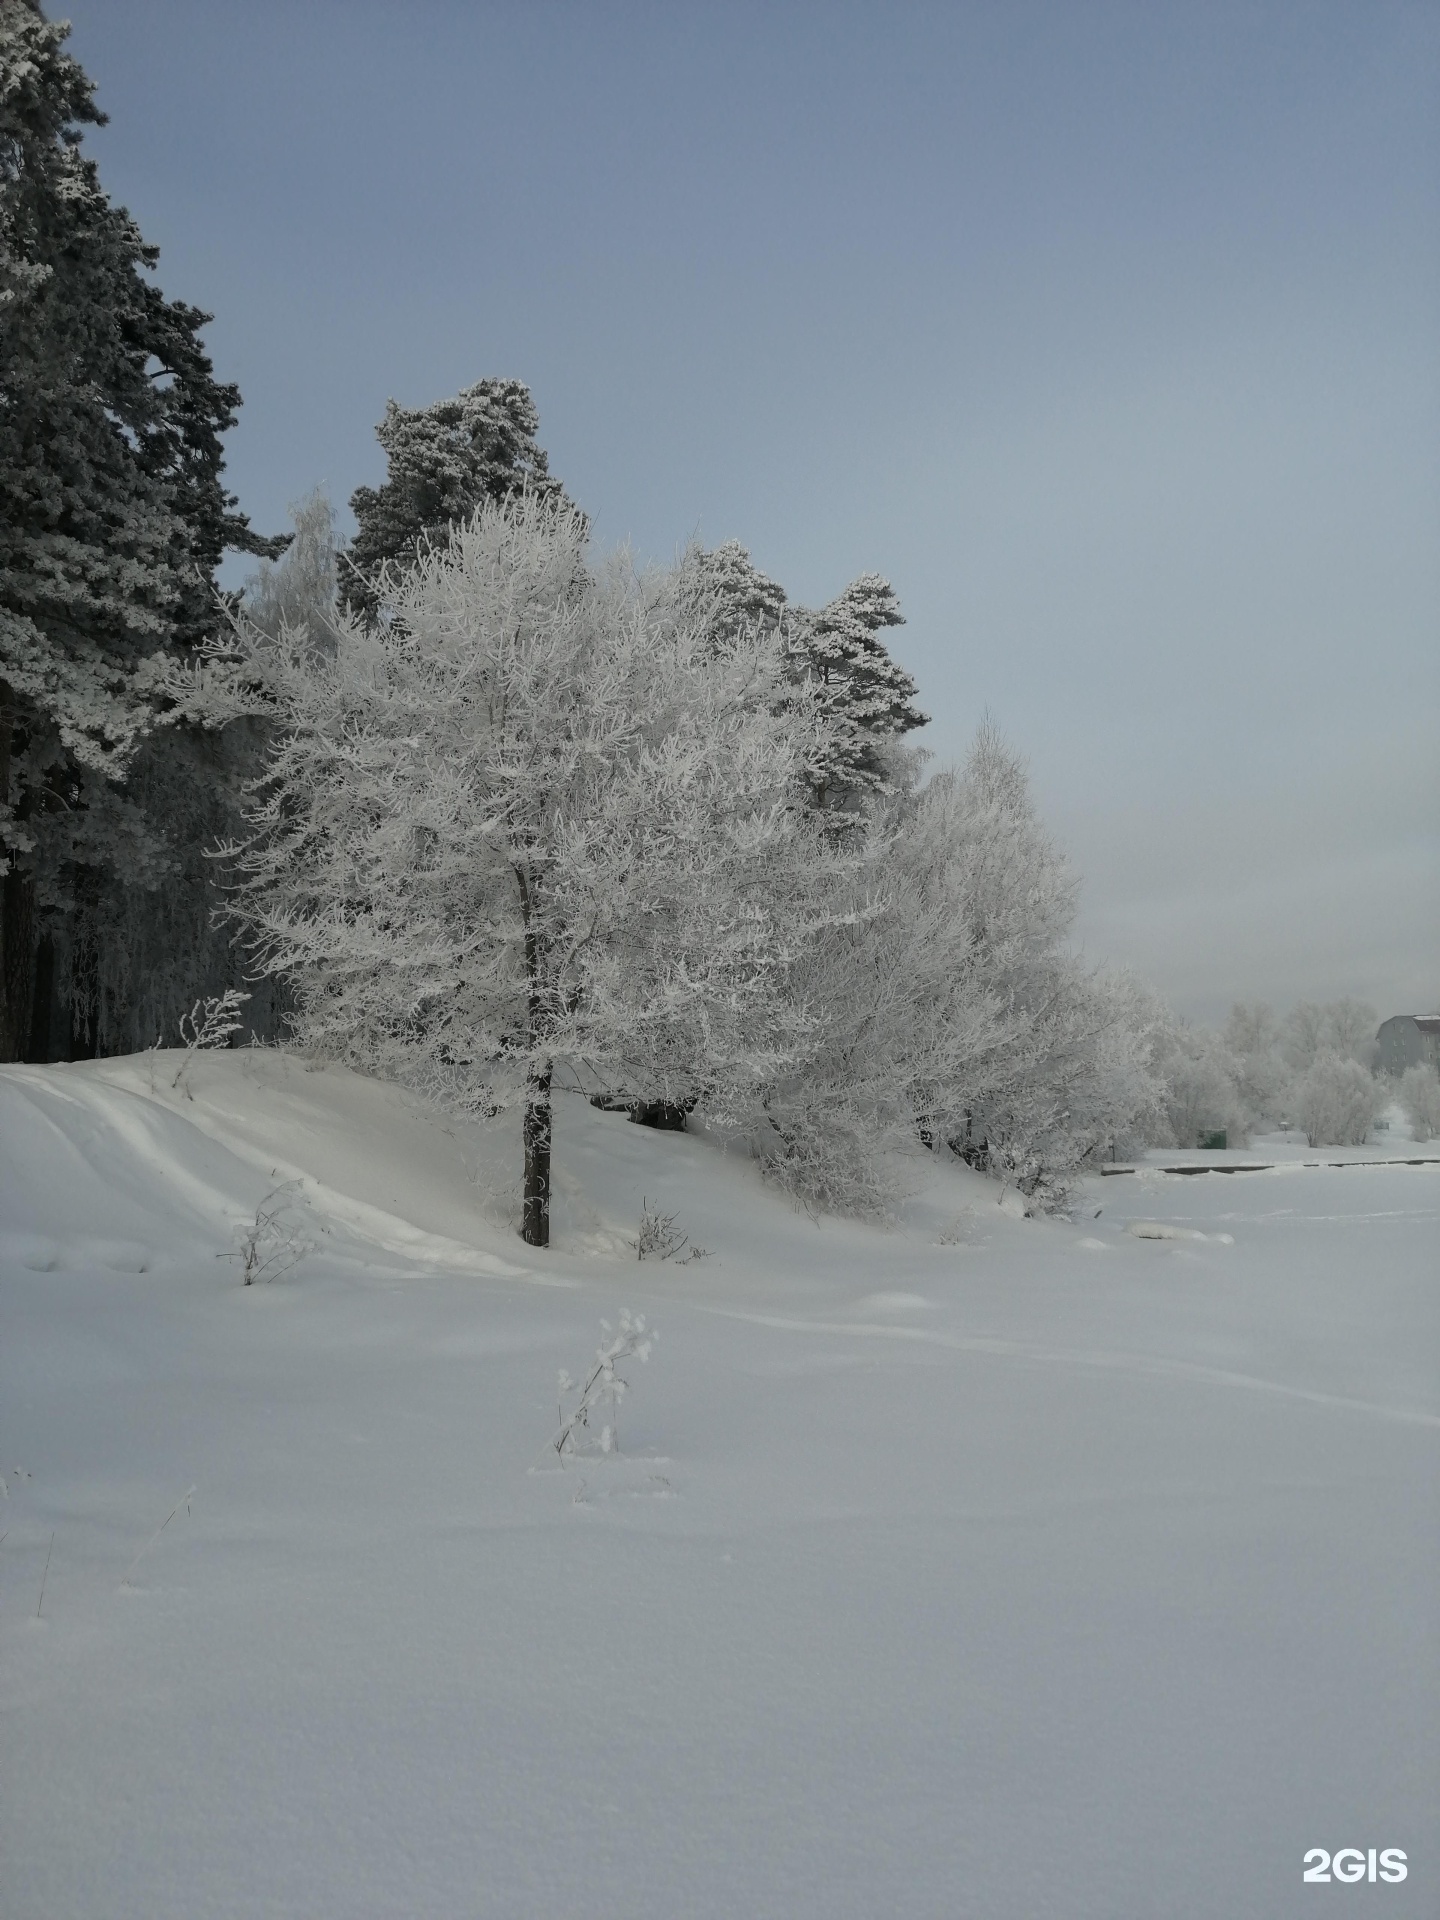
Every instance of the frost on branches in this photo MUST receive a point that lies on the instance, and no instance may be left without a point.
(948, 1011)
(538, 818)
(442, 462)
(547, 817)
(867, 697)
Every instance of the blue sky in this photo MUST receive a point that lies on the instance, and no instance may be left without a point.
(1107, 332)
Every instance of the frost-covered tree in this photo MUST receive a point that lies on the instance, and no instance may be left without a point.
(301, 590)
(1078, 1076)
(867, 693)
(732, 595)
(948, 1010)
(1202, 1092)
(837, 651)
(442, 463)
(1337, 1101)
(902, 1017)
(1346, 1027)
(112, 518)
(1261, 1076)
(163, 944)
(1419, 1096)
(539, 820)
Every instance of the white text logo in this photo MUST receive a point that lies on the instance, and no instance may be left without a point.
(1351, 1864)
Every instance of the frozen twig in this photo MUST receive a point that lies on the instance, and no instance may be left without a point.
(184, 1501)
(209, 1024)
(274, 1241)
(657, 1238)
(602, 1388)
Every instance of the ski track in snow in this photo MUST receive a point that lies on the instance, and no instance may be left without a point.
(1136, 1364)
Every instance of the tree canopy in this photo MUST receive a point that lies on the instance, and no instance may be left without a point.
(444, 461)
(113, 515)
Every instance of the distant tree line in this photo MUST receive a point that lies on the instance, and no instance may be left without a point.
(1313, 1070)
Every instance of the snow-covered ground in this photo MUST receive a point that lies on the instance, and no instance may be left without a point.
(986, 1566)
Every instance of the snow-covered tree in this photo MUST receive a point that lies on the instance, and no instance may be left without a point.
(729, 591)
(1078, 1075)
(300, 591)
(868, 696)
(1346, 1027)
(1337, 1101)
(866, 692)
(1262, 1078)
(442, 463)
(112, 519)
(537, 820)
(902, 1016)
(1419, 1096)
(948, 1010)
(1202, 1092)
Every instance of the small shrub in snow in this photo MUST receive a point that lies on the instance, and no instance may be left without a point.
(657, 1238)
(1420, 1097)
(1337, 1101)
(962, 1230)
(275, 1240)
(209, 1024)
(584, 1427)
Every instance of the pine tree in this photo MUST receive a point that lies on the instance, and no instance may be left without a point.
(735, 597)
(444, 461)
(870, 695)
(112, 513)
(838, 651)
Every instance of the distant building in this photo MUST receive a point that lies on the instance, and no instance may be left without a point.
(1405, 1039)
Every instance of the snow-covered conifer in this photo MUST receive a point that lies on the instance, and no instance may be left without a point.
(731, 593)
(442, 463)
(112, 519)
(869, 695)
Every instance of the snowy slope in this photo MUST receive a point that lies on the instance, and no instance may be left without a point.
(1048, 1570)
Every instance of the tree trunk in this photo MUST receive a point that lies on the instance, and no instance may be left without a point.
(17, 962)
(535, 1229)
(84, 1008)
(535, 1220)
(16, 920)
(42, 1001)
